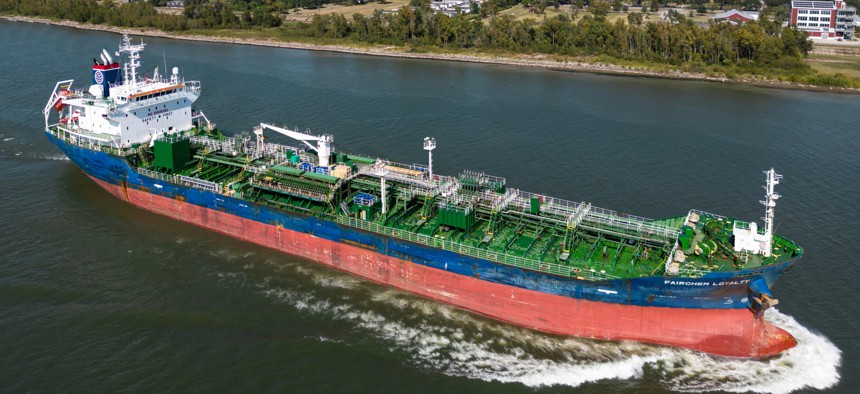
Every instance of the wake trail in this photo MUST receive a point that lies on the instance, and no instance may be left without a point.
(442, 338)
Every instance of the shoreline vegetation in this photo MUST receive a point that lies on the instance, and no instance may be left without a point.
(596, 64)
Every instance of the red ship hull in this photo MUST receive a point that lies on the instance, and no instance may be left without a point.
(725, 332)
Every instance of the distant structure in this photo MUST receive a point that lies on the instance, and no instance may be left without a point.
(176, 3)
(453, 7)
(824, 19)
(736, 17)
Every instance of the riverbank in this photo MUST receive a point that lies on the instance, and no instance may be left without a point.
(525, 60)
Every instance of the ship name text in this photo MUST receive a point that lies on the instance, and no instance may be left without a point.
(709, 283)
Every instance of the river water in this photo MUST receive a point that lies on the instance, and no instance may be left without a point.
(96, 295)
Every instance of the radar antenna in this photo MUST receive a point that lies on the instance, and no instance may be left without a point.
(133, 51)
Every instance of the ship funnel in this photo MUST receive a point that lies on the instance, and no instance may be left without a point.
(106, 74)
(107, 56)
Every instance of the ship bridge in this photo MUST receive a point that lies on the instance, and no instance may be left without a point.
(122, 109)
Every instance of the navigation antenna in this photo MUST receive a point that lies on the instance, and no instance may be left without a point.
(429, 145)
(133, 51)
(770, 203)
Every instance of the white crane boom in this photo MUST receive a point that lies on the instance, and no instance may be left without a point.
(324, 141)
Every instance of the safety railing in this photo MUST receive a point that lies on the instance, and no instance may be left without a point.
(596, 218)
(689, 272)
(88, 142)
(497, 257)
(158, 175)
(201, 184)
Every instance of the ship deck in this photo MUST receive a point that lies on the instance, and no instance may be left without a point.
(473, 214)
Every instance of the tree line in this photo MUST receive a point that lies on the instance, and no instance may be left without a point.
(763, 47)
(198, 14)
(677, 41)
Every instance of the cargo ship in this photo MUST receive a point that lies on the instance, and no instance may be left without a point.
(699, 280)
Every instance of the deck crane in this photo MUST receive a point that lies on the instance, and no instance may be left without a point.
(324, 141)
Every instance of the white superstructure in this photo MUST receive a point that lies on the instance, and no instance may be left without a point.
(749, 238)
(124, 109)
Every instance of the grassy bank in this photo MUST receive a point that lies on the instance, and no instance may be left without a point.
(836, 64)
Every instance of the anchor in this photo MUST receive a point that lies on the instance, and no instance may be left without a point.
(760, 297)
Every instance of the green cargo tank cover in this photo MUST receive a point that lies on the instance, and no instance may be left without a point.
(172, 153)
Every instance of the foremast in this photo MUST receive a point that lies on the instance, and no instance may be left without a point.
(770, 203)
(749, 238)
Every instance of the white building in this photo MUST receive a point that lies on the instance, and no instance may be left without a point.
(453, 7)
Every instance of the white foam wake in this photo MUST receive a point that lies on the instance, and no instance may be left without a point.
(813, 363)
(445, 339)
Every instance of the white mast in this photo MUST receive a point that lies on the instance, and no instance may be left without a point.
(261, 141)
(429, 145)
(747, 238)
(383, 194)
(130, 67)
(769, 203)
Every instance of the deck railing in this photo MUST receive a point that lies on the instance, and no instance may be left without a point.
(158, 175)
(456, 247)
(88, 142)
(201, 184)
(601, 217)
(689, 272)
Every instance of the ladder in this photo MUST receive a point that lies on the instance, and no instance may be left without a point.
(573, 220)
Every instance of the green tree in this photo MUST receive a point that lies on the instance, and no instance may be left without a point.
(359, 25)
(600, 8)
(654, 6)
(795, 43)
(751, 5)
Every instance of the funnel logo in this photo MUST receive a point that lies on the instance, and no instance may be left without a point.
(99, 77)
